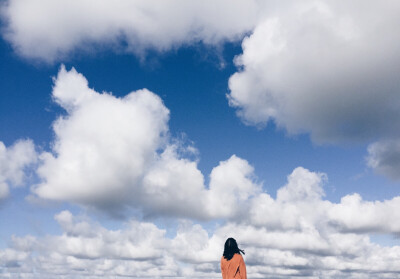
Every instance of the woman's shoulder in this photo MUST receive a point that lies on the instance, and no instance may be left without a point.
(236, 257)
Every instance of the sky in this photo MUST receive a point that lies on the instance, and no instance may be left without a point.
(137, 136)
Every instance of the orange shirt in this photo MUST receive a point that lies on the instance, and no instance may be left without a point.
(234, 268)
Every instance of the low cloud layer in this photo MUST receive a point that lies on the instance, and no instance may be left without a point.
(297, 234)
(14, 160)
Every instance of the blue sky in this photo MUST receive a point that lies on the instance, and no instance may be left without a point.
(135, 138)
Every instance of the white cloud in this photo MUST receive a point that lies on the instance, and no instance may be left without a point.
(303, 186)
(295, 205)
(110, 153)
(300, 206)
(174, 186)
(102, 146)
(46, 30)
(231, 186)
(193, 245)
(139, 241)
(322, 67)
(14, 160)
(355, 215)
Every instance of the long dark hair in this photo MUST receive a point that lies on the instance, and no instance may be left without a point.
(231, 248)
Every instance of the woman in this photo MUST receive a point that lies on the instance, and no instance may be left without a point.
(232, 263)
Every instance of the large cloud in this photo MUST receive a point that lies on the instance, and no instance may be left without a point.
(111, 152)
(48, 30)
(102, 145)
(323, 67)
(297, 234)
(14, 160)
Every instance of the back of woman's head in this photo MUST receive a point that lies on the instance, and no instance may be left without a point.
(231, 248)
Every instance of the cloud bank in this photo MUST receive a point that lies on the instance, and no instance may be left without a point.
(297, 234)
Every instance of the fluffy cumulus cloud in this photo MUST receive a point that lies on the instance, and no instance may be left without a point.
(297, 234)
(14, 161)
(110, 153)
(46, 30)
(105, 140)
(231, 186)
(322, 67)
